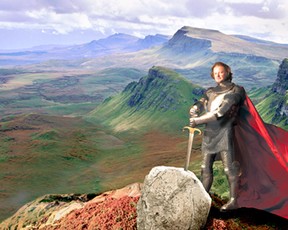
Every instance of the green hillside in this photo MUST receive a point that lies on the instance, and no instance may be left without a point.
(270, 109)
(160, 100)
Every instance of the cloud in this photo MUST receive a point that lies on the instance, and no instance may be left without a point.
(261, 17)
(262, 9)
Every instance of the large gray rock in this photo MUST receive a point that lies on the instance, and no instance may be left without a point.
(172, 198)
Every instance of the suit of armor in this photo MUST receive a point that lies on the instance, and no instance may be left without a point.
(220, 105)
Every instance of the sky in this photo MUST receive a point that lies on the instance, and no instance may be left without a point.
(29, 23)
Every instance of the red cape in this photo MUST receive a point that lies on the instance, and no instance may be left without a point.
(262, 151)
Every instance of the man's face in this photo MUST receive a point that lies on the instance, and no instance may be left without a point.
(219, 74)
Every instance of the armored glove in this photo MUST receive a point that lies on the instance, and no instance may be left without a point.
(194, 111)
(206, 118)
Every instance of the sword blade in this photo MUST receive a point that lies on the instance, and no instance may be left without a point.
(189, 150)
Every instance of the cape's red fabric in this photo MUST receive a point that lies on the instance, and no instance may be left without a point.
(262, 151)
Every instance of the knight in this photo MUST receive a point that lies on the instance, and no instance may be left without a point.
(217, 109)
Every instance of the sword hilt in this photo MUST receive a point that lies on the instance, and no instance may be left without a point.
(192, 130)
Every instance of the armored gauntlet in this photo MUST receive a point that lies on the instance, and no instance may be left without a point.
(206, 118)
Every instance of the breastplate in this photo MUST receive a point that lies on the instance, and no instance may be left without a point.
(217, 94)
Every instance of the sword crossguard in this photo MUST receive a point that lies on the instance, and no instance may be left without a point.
(192, 130)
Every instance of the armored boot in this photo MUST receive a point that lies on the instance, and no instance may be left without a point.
(232, 173)
(232, 203)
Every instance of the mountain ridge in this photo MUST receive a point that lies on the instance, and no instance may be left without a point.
(216, 41)
(160, 96)
(116, 43)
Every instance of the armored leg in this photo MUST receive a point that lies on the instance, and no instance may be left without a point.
(232, 176)
(207, 170)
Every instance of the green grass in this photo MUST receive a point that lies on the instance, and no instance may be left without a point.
(62, 93)
(165, 101)
(47, 135)
(220, 184)
(5, 143)
(79, 158)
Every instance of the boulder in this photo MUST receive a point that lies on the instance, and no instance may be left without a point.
(172, 198)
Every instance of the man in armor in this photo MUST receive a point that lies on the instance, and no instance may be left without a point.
(219, 105)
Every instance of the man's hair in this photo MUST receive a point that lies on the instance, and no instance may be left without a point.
(227, 69)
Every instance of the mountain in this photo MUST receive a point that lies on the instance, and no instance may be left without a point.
(113, 44)
(273, 100)
(259, 41)
(157, 99)
(150, 41)
(192, 51)
(189, 39)
(117, 43)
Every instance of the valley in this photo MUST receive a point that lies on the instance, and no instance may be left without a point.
(100, 119)
(66, 92)
(43, 154)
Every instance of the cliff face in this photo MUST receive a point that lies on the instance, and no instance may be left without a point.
(280, 87)
(281, 84)
(190, 40)
(182, 43)
(273, 106)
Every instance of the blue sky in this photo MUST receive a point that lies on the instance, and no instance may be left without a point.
(31, 23)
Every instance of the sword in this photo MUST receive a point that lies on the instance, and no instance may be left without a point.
(190, 144)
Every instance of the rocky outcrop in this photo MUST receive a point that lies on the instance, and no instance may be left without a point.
(117, 210)
(279, 88)
(281, 84)
(114, 209)
(172, 199)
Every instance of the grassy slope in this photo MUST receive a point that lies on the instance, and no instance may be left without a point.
(267, 103)
(44, 154)
(163, 106)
